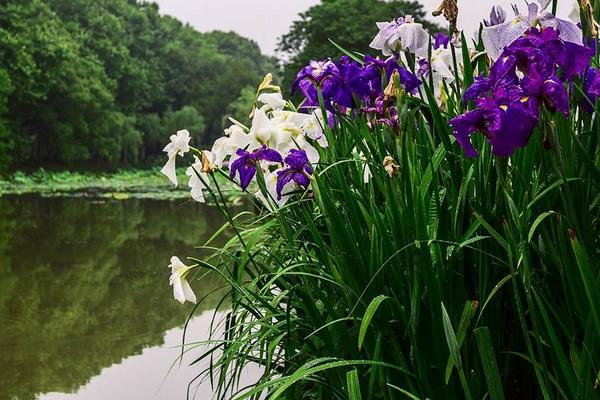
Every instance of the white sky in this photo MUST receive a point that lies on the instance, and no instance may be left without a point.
(266, 20)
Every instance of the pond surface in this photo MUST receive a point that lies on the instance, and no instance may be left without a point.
(86, 310)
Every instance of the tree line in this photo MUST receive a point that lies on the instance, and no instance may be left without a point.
(106, 81)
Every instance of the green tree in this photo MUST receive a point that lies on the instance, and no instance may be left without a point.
(240, 107)
(350, 23)
(6, 142)
(151, 127)
(59, 92)
(84, 81)
(186, 118)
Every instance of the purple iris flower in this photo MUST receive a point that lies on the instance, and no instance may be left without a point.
(309, 92)
(555, 96)
(366, 83)
(481, 86)
(465, 125)
(507, 119)
(507, 107)
(504, 71)
(551, 91)
(497, 16)
(246, 163)
(298, 170)
(408, 80)
(311, 77)
(543, 50)
(441, 40)
(380, 108)
(592, 82)
(336, 87)
(383, 111)
(332, 78)
(391, 119)
(424, 67)
(591, 88)
(315, 71)
(574, 59)
(345, 83)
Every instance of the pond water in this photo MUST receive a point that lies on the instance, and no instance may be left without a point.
(86, 310)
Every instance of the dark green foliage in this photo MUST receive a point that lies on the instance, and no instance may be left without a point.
(351, 23)
(101, 81)
(238, 108)
(188, 117)
(6, 141)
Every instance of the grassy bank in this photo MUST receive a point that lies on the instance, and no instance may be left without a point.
(120, 185)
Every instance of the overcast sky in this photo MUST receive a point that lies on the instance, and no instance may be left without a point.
(266, 20)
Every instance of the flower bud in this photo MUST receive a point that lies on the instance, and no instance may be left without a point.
(390, 167)
(207, 162)
(394, 89)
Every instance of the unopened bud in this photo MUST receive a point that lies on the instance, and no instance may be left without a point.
(266, 84)
(588, 20)
(207, 162)
(390, 167)
(450, 10)
(394, 88)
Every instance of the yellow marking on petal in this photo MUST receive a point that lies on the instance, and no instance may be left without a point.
(504, 107)
(293, 131)
(524, 99)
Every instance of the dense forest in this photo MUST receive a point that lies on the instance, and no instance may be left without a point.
(104, 82)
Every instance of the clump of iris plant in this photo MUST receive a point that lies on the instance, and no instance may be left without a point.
(351, 85)
(280, 142)
(356, 220)
(532, 72)
(346, 85)
(535, 59)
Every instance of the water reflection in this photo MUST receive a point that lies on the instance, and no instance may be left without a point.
(142, 376)
(84, 285)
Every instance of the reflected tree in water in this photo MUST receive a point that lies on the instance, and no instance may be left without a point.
(84, 285)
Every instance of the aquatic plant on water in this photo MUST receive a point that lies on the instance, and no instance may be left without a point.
(426, 224)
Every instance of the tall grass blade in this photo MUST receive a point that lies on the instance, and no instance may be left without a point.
(366, 320)
(353, 385)
(488, 359)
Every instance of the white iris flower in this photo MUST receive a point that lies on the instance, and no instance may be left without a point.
(182, 291)
(195, 183)
(179, 145)
(401, 34)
